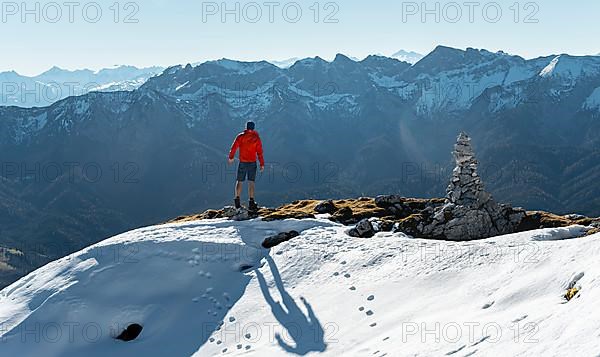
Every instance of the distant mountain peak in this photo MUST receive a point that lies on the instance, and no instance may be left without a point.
(286, 63)
(407, 56)
(310, 61)
(53, 70)
(441, 50)
(241, 66)
(406, 53)
(444, 58)
(378, 58)
(57, 71)
(343, 58)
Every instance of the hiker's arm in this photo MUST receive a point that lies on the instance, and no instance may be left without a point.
(234, 147)
(259, 152)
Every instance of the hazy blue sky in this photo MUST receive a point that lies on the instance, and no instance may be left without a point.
(161, 32)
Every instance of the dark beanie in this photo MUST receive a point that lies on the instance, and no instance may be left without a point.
(250, 125)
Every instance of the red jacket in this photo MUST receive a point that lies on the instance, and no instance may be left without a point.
(250, 147)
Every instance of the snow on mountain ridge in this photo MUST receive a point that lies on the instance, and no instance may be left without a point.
(455, 89)
(447, 81)
(547, 71)
(452, 89)
(571, 67)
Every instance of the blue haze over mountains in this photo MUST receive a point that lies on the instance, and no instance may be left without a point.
(331, 129)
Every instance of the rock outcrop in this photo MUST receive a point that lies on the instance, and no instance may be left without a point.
(238, 214)
(469, 212)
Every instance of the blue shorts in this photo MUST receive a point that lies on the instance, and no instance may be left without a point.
(247, 170)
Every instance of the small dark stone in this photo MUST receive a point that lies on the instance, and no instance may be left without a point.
(130, 333)
(245, 268)
(325, 207)
(386, 201)
(386, 226)
(343, 215)
(364, 229)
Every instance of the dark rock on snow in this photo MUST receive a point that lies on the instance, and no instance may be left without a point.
(130, 333)
(275, 240)
(363, 229)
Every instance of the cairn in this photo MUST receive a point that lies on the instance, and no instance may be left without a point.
(466, 188)
(470, 212)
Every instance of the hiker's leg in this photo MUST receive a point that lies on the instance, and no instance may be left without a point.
(238, 189)
(251, 190)
(241, 177)
(251, 169)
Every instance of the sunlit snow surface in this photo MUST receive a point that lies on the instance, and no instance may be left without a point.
(207, 288)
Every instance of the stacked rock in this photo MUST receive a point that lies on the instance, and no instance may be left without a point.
(466, 188)
(470, 212)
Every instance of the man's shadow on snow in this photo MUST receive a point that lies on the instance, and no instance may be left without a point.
(305, 330)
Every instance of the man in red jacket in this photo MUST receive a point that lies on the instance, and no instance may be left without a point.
(250, 147)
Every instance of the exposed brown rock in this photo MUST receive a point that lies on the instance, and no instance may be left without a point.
(347, 211)
(541, 219)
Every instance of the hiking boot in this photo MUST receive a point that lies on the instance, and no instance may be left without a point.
(237, 202)
(252, 206)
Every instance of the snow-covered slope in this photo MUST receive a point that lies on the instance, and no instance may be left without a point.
(207, 288)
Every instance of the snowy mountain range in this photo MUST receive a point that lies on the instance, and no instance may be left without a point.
(331, 129)
(57, 84)
(208, 288)
(402, 55)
